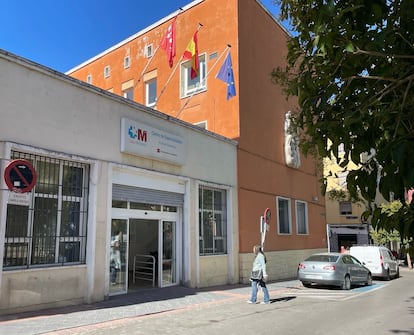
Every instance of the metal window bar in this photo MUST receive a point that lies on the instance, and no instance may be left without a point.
(52, 229)
(213, 225)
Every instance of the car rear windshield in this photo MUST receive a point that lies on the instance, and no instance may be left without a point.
(322, 258)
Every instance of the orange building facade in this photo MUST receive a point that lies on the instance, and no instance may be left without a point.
(257, 117)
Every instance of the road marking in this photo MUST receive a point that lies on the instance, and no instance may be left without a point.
(334, 294)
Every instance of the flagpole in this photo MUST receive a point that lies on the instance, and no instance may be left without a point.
(172, 73)
(189, 98)
(153, 56)
(146, 67)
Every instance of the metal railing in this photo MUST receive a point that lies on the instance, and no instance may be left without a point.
(144, 268)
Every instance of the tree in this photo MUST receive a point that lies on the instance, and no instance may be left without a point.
(351, 66)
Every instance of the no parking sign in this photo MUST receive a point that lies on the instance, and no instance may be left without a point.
(20, 176)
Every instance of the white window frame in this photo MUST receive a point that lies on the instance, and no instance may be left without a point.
(222, 234)
(148, 86)
(148, 51)
(289, 215)
(202, 124)
(56, 193)
(127, 62)
(198, 84)
(299, 217)
(89, 79)
(107, 71)
(129, 93)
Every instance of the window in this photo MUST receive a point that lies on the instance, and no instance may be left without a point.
(129, 93)
(212, 217)
(151, 92)
(89, 79)
(301, 218)
(127, 62)
(148, 51)
(283, 216)
(198, 84)
(202, 124)
(51, 230)
(345, 208)
(107, 71)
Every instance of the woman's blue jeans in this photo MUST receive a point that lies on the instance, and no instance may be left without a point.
(255, 284)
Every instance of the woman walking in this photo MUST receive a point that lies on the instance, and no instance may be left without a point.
(259, 267)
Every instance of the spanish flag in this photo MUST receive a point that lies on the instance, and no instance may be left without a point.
(191, 53)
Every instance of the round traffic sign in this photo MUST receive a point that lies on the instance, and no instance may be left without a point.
(267, 215)
(20, 176)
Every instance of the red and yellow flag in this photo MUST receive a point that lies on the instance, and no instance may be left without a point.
(191, 53)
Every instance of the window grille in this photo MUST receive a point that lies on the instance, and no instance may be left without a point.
(212, 220)
(52, 229)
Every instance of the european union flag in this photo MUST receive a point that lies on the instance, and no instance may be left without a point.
(226, 74)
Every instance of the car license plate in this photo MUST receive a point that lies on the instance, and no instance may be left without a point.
(313, 276)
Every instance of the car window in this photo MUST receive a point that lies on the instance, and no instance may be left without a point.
(354, 260)
(322, 258)
(386, 254)
(347, 259)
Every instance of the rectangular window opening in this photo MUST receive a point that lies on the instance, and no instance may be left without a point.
(198, 84)
(301, 218)
(212, 221)
(284, 225)
(52, 229)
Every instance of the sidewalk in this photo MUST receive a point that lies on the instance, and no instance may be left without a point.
(121, 308)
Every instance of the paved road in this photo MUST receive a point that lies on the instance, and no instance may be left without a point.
(175, 310)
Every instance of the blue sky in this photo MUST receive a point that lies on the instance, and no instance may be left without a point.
(61, 34)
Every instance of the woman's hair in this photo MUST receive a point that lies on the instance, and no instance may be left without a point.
(258, 249)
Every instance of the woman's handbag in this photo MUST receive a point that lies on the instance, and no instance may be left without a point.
(256, 275)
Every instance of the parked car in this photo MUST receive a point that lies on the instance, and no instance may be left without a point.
(379, 260)
(333, 269)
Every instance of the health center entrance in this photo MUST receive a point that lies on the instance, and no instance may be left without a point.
(144, 252)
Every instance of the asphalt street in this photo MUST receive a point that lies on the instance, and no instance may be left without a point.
(177, 306)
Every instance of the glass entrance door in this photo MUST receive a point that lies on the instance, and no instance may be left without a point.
(118, 278)
(169, 252)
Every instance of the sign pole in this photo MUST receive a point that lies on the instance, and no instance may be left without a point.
(264, 226)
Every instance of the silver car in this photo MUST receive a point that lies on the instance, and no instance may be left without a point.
(334, 269)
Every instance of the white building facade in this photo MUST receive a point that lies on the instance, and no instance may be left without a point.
(123, 197)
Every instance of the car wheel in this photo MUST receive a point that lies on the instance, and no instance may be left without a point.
(369, 280)
(397, 275)
(388, 276)
(346, 284)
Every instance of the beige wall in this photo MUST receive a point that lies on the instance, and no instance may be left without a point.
(280, 264)
(42, 288)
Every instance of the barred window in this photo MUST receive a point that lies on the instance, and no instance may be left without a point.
(213, 221)
(52, 229)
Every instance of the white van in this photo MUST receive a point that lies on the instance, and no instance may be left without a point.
(379, 260)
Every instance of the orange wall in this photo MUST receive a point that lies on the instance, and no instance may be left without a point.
(255, 117)
(263, 174)
(219, 28)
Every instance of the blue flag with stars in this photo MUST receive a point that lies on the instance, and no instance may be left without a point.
(226, 74)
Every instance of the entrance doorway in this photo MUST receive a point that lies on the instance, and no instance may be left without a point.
(146, 255)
